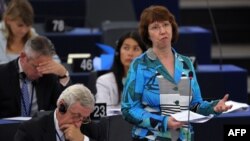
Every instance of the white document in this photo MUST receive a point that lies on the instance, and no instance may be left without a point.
(236, 106)
(193, 117)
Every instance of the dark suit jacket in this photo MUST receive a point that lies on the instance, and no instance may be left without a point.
(41, 129)
(48, 89)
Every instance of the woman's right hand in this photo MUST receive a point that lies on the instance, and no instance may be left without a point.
(173, 123)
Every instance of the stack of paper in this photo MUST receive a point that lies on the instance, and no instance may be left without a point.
(236, 106)
(189, 116)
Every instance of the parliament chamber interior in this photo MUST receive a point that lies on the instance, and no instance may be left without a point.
(86, 30)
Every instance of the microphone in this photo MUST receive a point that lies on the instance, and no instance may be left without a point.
(190, 76)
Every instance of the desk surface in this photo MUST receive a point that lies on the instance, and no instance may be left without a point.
(2, 121)
(238, 114)
(220, 68)
(75, 32)
(192, 29)
(114, 128)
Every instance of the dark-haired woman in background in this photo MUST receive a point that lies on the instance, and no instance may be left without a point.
(110, 85)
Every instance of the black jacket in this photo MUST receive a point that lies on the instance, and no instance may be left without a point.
(47, 88)
(42, 128)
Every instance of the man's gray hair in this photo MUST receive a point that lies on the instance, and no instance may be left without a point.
(39, 45)
(77, 93)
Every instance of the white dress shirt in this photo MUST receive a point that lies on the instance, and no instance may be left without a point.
(107, 90)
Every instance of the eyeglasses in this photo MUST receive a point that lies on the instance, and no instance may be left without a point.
(86, 120)
(156, 27)
(30, 61)
(77, 117)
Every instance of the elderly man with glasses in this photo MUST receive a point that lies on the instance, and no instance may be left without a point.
(74, 107)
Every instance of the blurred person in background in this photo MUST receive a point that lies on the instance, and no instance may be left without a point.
(33, 81)
(110, 85)
(15, 29)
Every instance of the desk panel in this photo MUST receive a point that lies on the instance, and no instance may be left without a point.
(114, 128)
(119, 129)
(215, 81)
(213, 129)
(208, 131)
(87, 78)
(195, 41)
(78, 40)
(8, 129)
(72, 11)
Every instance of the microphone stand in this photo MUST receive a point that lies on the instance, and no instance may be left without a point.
(190, 76)
(216, 34)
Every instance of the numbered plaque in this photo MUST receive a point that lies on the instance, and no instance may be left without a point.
(55, 25)
(99, 111)
(87, 64)
(81, 62)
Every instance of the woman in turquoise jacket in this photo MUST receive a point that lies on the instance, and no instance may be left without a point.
(147, 103)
